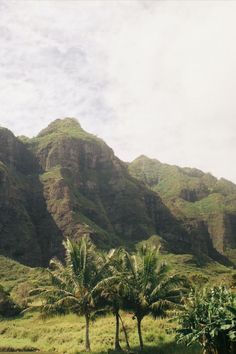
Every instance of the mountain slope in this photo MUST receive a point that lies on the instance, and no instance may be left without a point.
(88, 190)
(192, 196)
(68, 183)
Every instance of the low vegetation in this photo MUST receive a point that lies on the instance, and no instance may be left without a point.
(120, 300)
(8, 307)
(210, 320)
(91, 283)
(65, 334)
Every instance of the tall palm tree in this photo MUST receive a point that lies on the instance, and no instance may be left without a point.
(146, 286)
(108, 291)
(73, 283)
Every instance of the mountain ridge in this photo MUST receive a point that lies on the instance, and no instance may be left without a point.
(84, 189)
(193, 194)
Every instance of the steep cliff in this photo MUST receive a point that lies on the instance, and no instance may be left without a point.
(88, 190)
(67, 183)
(27, 231)
(200, 201)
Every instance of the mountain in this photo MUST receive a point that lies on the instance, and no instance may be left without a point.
(88, 190)
(67, 183)
(191, 196)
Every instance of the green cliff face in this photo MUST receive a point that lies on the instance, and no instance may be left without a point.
(67, 183)
(195, 198)
(90, 191)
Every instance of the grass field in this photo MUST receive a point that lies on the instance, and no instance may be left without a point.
(66, 335)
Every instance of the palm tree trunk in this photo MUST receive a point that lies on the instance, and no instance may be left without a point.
(117, 337)
(139, 320)
(87, 341)
(125, 333)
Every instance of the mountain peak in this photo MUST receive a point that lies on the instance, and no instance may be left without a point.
(66, 125)
(144, 158)
(60, 130)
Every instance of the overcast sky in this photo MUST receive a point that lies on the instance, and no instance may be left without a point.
(149, 77)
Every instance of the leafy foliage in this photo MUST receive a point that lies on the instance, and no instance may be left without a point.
(143, 285)
(210, 319)
(91, 283)
(72, 284)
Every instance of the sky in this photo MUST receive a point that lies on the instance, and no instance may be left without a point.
(149, 77)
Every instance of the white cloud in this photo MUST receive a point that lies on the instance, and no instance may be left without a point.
(149, 77)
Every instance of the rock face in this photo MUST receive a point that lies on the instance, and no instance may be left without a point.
(201, 202)
(68, 183)
(90, 191)
(27, 231)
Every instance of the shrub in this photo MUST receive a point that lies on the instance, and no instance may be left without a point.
(210, 320)
(7, 306)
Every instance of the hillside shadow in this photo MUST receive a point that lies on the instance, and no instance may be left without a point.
(49, 236)
(28, 232)
(186, 237)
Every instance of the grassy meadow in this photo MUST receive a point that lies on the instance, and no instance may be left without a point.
(66, 335)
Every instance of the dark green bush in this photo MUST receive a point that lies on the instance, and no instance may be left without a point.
(7, 306)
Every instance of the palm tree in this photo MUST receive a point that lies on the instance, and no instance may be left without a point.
(73, 283)
(146, 286)
(108, 291)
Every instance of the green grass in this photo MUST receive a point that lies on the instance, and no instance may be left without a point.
(13, 273)
(66, 334)
(198, 271)
(209, 273)
(53, 174)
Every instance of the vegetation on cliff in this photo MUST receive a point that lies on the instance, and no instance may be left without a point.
(68, 183)
(198, 199)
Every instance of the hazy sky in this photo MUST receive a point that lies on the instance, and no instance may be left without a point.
(149, 77)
